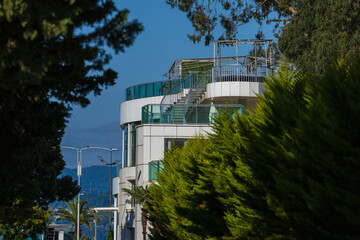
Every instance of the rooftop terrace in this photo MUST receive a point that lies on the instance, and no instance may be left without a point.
(184, 72)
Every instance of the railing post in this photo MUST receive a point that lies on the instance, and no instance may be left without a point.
(183, 114)
(196, 114)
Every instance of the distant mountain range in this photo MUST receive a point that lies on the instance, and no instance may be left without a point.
(95, 183)
(93, 179)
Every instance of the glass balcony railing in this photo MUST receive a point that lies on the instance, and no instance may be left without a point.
(161, 88)
(150, 89)
(185, 114)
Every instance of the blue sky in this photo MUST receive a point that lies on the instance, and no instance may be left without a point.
(155, 49)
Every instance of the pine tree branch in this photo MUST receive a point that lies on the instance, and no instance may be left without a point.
(291, 8)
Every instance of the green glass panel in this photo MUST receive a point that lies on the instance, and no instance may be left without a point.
(167, 87)
(150, 90)
(157, 89)
(137, 92)
(154, 168)
(185, 114)
(143, 90)
(130, 93)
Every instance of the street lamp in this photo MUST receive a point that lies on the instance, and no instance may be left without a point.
(109, 164)
(79, 163)
(79, 170)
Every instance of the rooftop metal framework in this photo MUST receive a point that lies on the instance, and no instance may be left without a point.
(258, 63)
(182, 67)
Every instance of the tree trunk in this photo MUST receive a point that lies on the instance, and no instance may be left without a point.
(144, 223)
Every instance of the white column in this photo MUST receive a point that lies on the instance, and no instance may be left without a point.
(115, 216)
(122, 150)
(61, 235)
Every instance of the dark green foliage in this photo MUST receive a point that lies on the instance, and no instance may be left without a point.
(269, 151)
(327, 155)
(305, 145)
(27, 228)
(323, 31)
(31, 160)
(42, 47)
(184, 204)
(52, 55)
(288, 171)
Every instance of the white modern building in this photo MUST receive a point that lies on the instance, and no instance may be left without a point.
(155, 114)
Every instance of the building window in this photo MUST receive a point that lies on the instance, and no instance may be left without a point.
(133, 144)
(125, 145)
(177, 142)
(154, 168)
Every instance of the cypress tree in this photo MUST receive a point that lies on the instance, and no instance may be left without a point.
(326, 158)
(288, 171)
(183, 205)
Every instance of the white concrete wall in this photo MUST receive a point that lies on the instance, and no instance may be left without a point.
(232, 89)
(115, 185)
(130, 111)
(126, 215)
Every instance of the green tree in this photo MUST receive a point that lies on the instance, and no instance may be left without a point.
(184, 205)
(245, 209)
(311, 34)
(140, 196)
(277, 114)
(322, 32)
(70, 214)
(28, 228)
(289, 170)
(53, 54)
(316, 169)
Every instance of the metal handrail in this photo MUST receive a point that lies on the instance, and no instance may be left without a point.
(176, 91)
(240, 73)
(196, 85)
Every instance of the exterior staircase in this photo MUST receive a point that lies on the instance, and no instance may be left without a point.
(194, 96)
(178, 114)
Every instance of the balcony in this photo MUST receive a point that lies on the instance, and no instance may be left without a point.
(185, 114)
(152, 89)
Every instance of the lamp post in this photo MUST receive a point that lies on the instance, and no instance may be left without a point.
(109, 164)
(79, 168)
